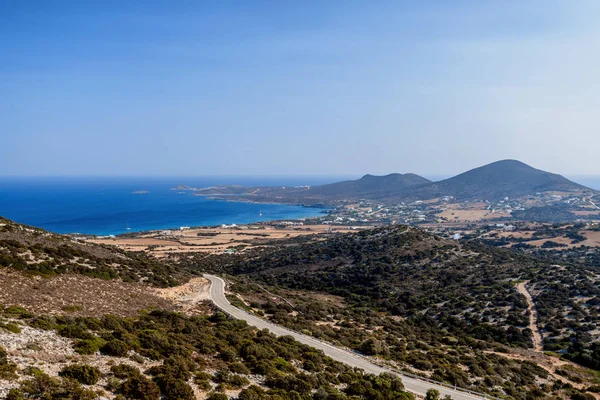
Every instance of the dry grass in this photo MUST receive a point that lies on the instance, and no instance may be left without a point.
(211, 240)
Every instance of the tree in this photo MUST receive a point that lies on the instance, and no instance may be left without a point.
(432, 394)
(372, 347)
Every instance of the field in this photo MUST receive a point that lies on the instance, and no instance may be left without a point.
(471, 212)
(213, 240)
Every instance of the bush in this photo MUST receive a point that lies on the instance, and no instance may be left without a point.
(73, 331)
(174, 388)
(432, 394)
(18, 312)
(11, 327)
(124, 371)
(582, 396)
(141, 388)
(7, 368)
(217, 396)
(44, 322)
(115, 348)
(372, 347)
(89, 346)
(3, 356)
(84, 374)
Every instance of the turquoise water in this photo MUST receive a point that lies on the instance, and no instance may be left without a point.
(107, 206)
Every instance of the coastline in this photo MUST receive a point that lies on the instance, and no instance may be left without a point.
(311, 219)
(133, 232)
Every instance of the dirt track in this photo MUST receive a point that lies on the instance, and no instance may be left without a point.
(538, 342)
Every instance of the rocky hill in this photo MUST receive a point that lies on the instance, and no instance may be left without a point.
(402, 293)
(36, 251)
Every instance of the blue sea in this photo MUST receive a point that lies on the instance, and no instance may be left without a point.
(589, 181)
(108, 206)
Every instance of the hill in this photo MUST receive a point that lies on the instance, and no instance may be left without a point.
(74, 337)
(507, 178)
(441, 307)
(369, 186)
(36, 251)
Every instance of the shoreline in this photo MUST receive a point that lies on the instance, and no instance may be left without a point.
(323, 211)
(240, 199)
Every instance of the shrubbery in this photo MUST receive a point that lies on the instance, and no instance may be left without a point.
(83, 374)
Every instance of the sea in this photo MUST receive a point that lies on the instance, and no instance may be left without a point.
(112, 206)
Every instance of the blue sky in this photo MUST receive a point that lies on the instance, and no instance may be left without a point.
(302, 88)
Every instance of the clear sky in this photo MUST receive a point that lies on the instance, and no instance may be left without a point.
(297, 87)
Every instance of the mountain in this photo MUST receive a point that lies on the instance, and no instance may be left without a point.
(506, 178)
(370, 186)
(495, 181)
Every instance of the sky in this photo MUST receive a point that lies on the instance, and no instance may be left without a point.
(196, 88)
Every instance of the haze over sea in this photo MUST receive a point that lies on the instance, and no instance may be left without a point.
(107, 206)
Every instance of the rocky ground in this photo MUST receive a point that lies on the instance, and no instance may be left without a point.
(77, 295)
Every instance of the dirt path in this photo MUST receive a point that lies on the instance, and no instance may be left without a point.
(187, 295)
(550, 364)
(537, 336)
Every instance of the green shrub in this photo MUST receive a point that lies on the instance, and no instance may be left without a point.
(432, 394)
(7, 368)
(74, 331)
(115, 348)
(140, 388)
(44, 322)
(89, 346)
(11, 327)
(84, 374)
(174, 388)
(15, 394)
(3, 356)
(124, 371)
(18, 312)
(239, 368)
(217, 396)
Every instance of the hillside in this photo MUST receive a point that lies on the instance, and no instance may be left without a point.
(369, 186)
(67, 336)
(36, 251)
(407, 272)
(434, 306)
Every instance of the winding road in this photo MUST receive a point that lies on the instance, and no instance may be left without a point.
(413, 385)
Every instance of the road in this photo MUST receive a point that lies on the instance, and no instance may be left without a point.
(413, 385)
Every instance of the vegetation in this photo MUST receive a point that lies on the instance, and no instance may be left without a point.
(36, 251)
(83, 374)
(189, 347)
(443, 308)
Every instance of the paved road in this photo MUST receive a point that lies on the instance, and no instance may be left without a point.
(416, 386)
